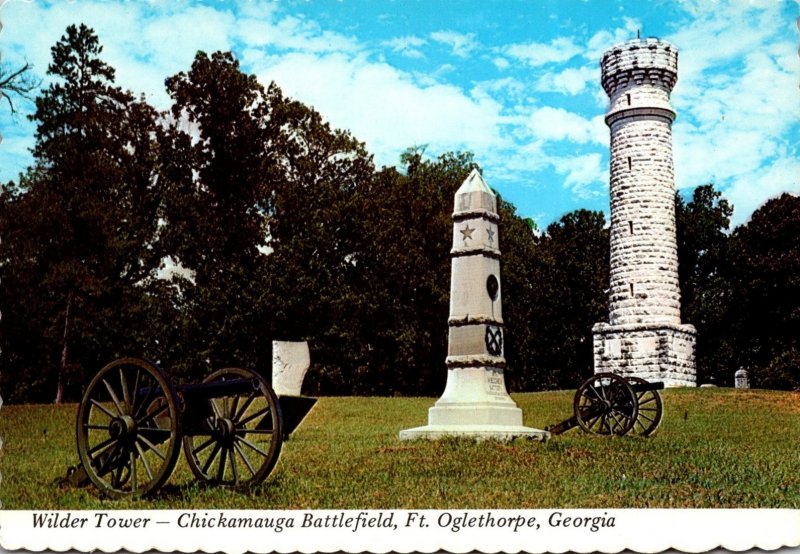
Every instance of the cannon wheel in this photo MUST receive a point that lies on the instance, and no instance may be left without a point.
(245, 438)
(650, 409)
(128, 429)
(605, 404)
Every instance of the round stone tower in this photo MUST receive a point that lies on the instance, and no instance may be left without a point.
(644, 336)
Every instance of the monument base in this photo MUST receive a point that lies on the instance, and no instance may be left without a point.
(475, 432)
(654, 351)
(475, 404)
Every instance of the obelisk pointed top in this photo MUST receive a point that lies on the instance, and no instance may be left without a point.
(474, 183)
(474, 195)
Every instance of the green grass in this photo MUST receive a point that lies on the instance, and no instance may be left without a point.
(715, 448)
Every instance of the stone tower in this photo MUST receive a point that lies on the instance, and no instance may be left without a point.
(644, 336)
(475, 402)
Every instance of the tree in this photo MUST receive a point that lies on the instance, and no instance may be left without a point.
(567, 295)
(702, 236)
(765, 293)
(17, 82)
(518, 263)
(217, 202)
(403, 273)
(78, 227)
(259, 210)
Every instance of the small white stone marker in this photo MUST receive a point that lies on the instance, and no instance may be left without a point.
(290, 361)
(741, 379)
(475, 402)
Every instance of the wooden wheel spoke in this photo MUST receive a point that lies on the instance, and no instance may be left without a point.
(152, 416)
(232, 457)
(145, 401)
(103, 444)
(135, 389)
(145, 463)
(591, 422)
(93, 426)
(244, 458)
(210, 459)
(246, 431)
(253, 446)
(102, 408)
(113, 454)
(251, 417)
(203, 446)
(116, 476)
(234, 405)
(595, 393)
(221, 466)
(114, 398)
(133, 470)
(619, 424)
(648, 401)
(152, 446)
(126, 397)
(215, 408)
(643, 416)
(246, 405)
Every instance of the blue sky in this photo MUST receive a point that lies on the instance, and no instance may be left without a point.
(514, 82)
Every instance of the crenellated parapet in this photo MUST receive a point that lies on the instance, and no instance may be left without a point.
(638, 77)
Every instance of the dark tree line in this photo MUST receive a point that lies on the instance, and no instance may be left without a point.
(197, 236)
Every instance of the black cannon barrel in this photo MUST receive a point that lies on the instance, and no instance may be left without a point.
(644, 387)
(217, 389)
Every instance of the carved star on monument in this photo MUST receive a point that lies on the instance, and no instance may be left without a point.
(490, 235)
(467, 232)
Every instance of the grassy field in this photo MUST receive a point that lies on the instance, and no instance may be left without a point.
(715, 448)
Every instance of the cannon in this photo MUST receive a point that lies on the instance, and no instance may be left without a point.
(608, 404)
(133, 422)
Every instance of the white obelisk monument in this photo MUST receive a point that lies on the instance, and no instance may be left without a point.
(475, 402)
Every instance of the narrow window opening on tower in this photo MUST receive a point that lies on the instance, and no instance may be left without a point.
(630, 226)
(631, 289)
(629, 163)
(628, 96)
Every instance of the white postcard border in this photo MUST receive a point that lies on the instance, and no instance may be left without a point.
(457, 530)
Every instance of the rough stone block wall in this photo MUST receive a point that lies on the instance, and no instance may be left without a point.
(644, 259)
(656, 353)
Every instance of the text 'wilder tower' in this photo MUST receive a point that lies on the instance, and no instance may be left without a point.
(644, 336)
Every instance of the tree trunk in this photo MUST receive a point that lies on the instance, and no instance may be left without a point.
(63, 368)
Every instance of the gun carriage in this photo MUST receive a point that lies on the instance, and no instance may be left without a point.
(608, 404)
(133, 422)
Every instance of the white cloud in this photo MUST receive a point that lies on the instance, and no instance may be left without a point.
(572, 80)
(292, 33)
(462, 44)
(557, 124)
(387, 108)
(581, 172)
(501, 63)
(748, 192)
(407, 46)
(536, 54)
(734, 101)
(603, 40)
